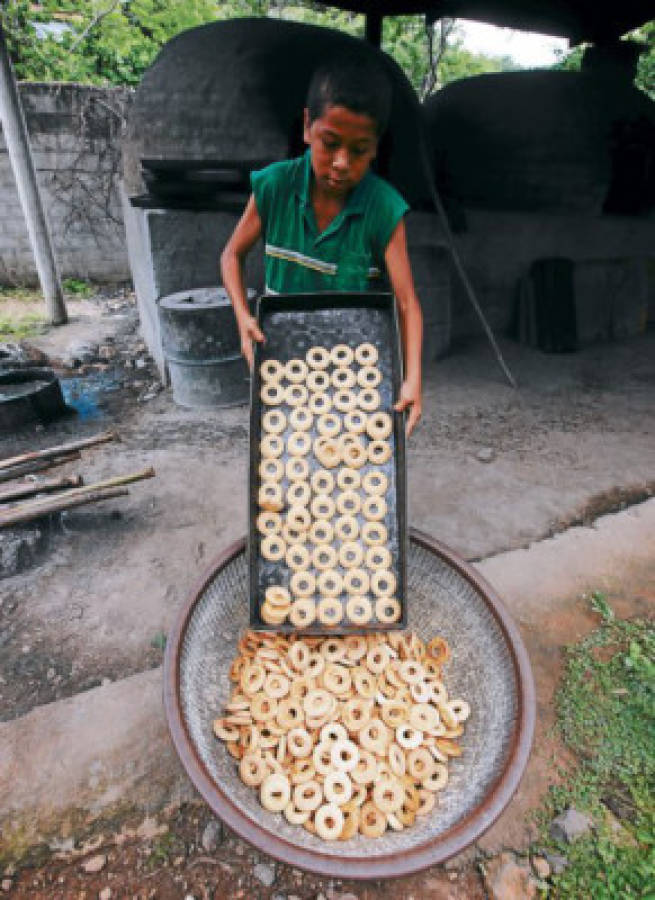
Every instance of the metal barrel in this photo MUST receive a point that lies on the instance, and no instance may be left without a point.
(201, 345)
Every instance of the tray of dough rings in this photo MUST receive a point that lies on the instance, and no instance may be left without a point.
(327, 494)
(361, 755)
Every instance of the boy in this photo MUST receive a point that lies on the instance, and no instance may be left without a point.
(329, 224)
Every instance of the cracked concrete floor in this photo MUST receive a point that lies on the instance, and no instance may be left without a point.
(579, 428)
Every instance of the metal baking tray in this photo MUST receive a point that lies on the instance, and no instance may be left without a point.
(292, 323)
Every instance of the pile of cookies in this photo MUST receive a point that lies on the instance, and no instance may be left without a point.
(343, 735)
(323, 490)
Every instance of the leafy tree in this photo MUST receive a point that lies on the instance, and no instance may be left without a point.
(114, 41)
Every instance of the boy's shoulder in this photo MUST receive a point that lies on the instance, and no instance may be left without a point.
(284, 171)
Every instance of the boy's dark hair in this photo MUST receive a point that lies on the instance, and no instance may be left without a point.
(359, 84)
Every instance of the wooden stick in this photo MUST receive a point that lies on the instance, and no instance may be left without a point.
(30, 488)
(37, 466)
(53, 452)
(60, 503)
(45, 502)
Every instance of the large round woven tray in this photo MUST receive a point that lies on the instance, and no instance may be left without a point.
(489, 667)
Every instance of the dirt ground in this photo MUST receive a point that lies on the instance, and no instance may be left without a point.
(490, 469)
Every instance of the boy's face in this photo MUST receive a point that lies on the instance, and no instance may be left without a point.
(343, 144)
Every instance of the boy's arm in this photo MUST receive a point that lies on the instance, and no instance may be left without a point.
(244, 236)
(411, 323)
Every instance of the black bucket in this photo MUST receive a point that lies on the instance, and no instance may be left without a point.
(27, 395)
(202, 348)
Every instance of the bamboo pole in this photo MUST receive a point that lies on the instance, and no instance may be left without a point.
(42, 506)
(29, 468)
(62, 502)
(30, 488)
(52, 452)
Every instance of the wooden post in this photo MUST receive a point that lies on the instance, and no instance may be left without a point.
(20, 156)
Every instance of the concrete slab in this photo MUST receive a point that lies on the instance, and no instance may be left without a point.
(69, 765)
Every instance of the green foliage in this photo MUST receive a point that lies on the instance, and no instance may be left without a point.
(77, 286)
(645, 76)
(606, 715)
(114, 41)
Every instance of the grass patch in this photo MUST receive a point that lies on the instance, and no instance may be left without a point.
(606, 715)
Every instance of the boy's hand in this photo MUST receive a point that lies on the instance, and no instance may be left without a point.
(410, 398)
(250, 331)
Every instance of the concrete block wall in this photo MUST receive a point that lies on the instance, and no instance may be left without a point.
(75, 135)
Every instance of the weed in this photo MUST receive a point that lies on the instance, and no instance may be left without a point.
(77, 286)
(606, 714)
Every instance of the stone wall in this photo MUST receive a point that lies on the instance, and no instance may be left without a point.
(75, 137)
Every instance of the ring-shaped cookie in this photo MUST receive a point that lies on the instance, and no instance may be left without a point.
(321, 532)
(318, 382)
(271, 370)
(269, 496)
(388, 795)
(318, 357)
(269, 522)
(299, 518)
(330, 583)
(308, 795)
(426, 802)
(273, 547)
(349, 503)
(252, 769)
(324, 556)
(379, 452)
(368, 399)
(354, 454)
(356, 647)
(272, 393)
(379, 426)
(276, 685)
(346, 528)
(274, 421)
(342, 355)
(408, 737)
(329, 610)
(263, 708)
(387, 610)
(372, 821)
(318, 702)
(315, 666)
(322, 506)
(383, 583)
(337, 787)
(351, 554)
(322, 481)
(290, 713)
(272, 615)
(397, 760)
(348, 479)
(327, 452)
(377, 659)
(411, 671)
(296, 371)
(336, 679)
(369, 377)
(437, 780)
(420, 763)
(302, 584)
(296, 395)
(299, 655)
(343, 379)
(300, 418)
(344, 400)
(364, 682)
(299, 493)
(421, 692)
(297, 557)
(329, 424)
(299, 743)
(320, 403)
(296, 816)
(374, 533)
(292, 534)
(356, 713)
(333, 731)
(344, 755)
(252, 678)
(277, 595)
(359, 610)
(299, 443)
(366, 354)
(328, 821)
(297, 469)
(271, 469)
(333, 650)
(356, 582)
(355, 421)
(375, 483)
(378, 558)
(271, 446)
